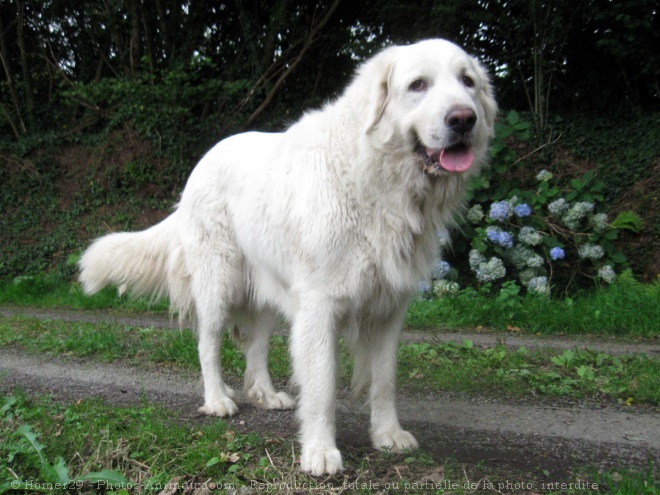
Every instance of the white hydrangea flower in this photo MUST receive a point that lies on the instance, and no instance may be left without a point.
(539, 285)
(528, 274)
(591, 251)
(445, 288)
(607, 274)
(491, 270)
(476, 259)
(518, 255)
(576, 213)
(598, 222)
(529, 236)
(544, 175)
(443, 237)
(535, 261)
(558, 207)
(475, 214)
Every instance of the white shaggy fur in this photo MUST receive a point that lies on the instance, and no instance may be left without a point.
(332, 224)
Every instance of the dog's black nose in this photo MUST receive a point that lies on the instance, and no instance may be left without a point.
(461, 120)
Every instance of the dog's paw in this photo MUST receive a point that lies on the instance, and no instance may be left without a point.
(264, 399)
(320, 461)
(222, 407)
(395, 440)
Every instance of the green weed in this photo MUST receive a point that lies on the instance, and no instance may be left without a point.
(447, 366)
(52, 476)
(625, 308)
(497, 370)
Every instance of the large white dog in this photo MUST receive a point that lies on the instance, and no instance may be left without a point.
(331, 223)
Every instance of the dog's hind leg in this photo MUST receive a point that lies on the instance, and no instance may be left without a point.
(213, 285)
(258, 384)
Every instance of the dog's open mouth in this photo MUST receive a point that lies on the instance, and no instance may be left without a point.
(455, 158)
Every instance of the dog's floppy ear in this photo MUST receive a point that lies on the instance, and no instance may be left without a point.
(487, 98)
(377, 72)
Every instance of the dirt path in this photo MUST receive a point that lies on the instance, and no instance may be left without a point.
(526, 436)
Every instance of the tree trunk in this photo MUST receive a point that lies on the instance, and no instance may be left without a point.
(309, 41)
(18, 127)
(25, 65)
(135, 46)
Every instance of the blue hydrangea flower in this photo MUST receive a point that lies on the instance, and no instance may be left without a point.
(424, 286)
(498, 236)
(522, 210)
(492, 234)
(557, 253)
(440, 269)
(505, 240)
(500, 211)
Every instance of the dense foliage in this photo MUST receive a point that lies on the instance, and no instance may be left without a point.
(106, 105)
(65, 63)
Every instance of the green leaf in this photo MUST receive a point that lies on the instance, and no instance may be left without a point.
(628, 220)
(618, 257)
(26, 432)
(10, 402)
(105, 476)
(512, 118)
(60, 471)
(21, 486)
(503, 132)
(212, 461)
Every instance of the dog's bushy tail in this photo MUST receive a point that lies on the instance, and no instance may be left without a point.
(149, 263)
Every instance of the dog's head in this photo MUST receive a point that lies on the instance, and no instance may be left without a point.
(434, 101)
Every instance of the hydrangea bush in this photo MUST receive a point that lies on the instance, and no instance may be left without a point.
(536, 233)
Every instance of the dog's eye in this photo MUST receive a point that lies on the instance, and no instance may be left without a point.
(468, 81)
(417, 85)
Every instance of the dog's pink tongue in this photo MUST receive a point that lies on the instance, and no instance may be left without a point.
(457, 160)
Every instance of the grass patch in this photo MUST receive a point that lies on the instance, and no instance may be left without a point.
(148, 449)
(519, 372)
(443, 366)
(625, 308)
(52, 291)
(624, 482)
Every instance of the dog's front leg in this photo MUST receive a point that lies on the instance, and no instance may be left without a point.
(376, 352)
(314, 353)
